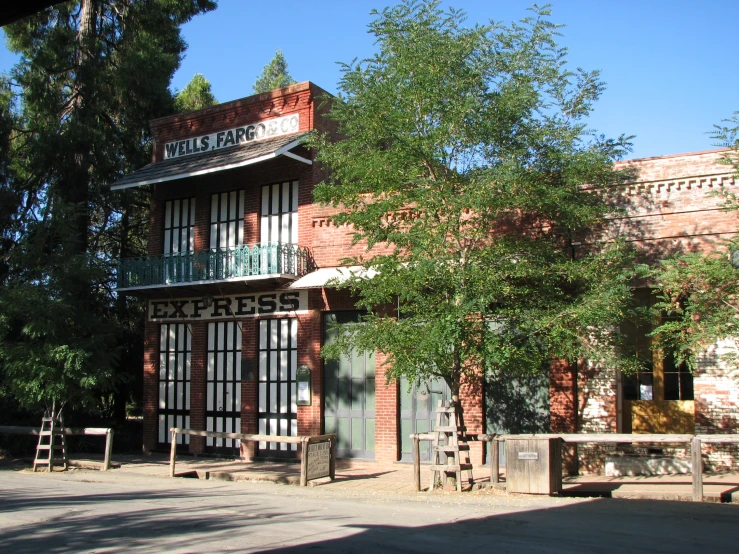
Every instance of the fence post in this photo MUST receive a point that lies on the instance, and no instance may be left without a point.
(173, 451)
(108, 449)
(695, 454)
(495, 461)
(332, 462)
(304, 462)
(416, 463)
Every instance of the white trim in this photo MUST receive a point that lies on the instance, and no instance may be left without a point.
(211, 282)
(280, 151)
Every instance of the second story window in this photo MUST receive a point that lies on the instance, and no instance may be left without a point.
(179, 226)
(227, 219)
(279, 218)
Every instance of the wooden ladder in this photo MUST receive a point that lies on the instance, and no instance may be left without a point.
(449, 447)
(52, 446)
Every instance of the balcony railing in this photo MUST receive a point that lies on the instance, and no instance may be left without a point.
(215, 265)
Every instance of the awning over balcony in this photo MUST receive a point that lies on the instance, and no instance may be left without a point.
(216, 160)
(328, 276)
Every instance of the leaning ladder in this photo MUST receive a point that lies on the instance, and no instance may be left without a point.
(450, 451)
(52, 446)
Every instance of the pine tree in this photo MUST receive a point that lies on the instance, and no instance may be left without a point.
(196, 95)
(92, 74)
(274, 75)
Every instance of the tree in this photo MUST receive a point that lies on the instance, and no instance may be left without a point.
(195, 96)
(274, 75)
(699, 292)
(92, 74)
(464, 154)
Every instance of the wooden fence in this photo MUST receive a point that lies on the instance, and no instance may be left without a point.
(305, 441)
(70, 431)
(695, 442)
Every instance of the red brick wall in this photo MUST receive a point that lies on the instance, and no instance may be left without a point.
(197, 383)
(151, 384)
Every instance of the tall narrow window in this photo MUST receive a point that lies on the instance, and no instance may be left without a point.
(227, 220)
(278, 360)
(179, 226)
(279, 221)
(223, 384)
(174, 380)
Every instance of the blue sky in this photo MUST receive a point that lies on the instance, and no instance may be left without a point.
(670, 65)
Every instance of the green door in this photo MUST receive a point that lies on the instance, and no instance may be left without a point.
(418, 413)
(349, 394)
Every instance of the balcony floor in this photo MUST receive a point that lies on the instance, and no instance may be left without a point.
(234, 285)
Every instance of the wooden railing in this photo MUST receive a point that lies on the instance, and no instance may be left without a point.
(695, 442)
(304, 440)
(70, 431)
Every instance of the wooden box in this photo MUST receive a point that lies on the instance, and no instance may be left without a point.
(534, 466)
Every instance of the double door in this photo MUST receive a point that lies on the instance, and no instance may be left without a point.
(349, 394)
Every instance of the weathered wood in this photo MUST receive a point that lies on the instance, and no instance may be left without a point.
(451, 468)
(173, 451)
(607, 438)
(416, 463)
(242, 436)
(304, 462)
(713, 439)
(332, 463)
(495, 462)
(534, 466)
(21, 430)
(697, 463)
(108, 450)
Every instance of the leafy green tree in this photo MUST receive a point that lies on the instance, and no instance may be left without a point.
(91, 74)
(464, 152)
(274, 75)
(195, 96)
(700, 292)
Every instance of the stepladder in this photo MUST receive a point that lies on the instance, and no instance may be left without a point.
(450, 453)
(52, 445)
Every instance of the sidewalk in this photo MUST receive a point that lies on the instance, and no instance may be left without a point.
(398, 478)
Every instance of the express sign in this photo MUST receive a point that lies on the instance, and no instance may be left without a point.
(247, 305)
(263, 130)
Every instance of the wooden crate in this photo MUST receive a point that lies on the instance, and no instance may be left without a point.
(534, 466)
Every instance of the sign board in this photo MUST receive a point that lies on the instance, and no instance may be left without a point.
(319, 459)
(302, 376)
(528, 455)
(263, 130)
(247, 305)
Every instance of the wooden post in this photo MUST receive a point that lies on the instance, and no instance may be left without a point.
(495, 461)
(332, 461)
(108, 449)
(304, 463)
(173, 452)
(416, 463)
(695, 454)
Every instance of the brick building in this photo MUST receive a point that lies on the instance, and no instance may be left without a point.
(239, 307)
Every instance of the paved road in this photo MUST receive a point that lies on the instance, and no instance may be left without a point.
(86, 511)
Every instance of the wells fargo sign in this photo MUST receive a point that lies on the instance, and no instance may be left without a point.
(263, 130)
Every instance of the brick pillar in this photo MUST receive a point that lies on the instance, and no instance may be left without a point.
(197, 384)
(563, 407)
(309, 354)
(249, 385)
(151, 384)
(387, 415)
(470, 395)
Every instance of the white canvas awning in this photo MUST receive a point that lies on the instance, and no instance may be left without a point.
(320, 277)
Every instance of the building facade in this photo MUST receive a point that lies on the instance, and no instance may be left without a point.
(236, 281)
